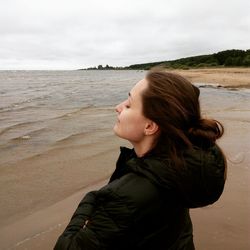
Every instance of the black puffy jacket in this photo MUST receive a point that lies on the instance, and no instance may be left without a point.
(146, 203)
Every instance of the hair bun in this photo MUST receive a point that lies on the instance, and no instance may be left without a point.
(205, 132)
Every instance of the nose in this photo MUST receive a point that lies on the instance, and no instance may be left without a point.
(120, 107)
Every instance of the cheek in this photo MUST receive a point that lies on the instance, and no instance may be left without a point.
(131, 119)
(132, 126)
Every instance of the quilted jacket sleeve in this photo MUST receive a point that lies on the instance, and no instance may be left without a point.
(108, 221)
(78, 220)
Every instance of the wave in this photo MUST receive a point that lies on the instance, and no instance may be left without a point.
(79, 111)
(71, 136)
(86, 134)
(30, 124)
(19, 125)
(83, 110)
(18, 105)
(16, 109)
(30, 133)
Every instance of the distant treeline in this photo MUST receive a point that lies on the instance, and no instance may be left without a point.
(107, 67)
(227, 58)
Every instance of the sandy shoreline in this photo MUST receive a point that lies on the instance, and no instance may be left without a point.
(226, 77)
(39, 193)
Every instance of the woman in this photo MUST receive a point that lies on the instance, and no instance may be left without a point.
(174, 165)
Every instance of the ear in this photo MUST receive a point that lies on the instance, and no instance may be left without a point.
(151, 128)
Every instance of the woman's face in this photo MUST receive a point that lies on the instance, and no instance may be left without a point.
(131, 122)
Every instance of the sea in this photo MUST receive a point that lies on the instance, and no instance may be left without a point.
(41, 108)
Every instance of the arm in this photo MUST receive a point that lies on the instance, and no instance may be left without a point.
(78, 220)
(109, 219)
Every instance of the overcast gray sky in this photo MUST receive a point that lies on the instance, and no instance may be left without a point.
(72, 34)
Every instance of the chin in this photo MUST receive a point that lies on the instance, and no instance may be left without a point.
(117, 132)
(115, 129)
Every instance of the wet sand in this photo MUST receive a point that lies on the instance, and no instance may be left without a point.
(40, 193)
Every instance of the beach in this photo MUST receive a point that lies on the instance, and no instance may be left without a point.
(226, 77)
(42, 181)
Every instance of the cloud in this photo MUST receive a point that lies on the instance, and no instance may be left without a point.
(45, 34)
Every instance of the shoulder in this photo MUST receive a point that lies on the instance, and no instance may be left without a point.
(133, 189)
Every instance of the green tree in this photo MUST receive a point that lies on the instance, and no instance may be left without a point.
(246, 61)
(229, 61)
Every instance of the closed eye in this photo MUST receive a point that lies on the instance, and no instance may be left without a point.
(127, 104)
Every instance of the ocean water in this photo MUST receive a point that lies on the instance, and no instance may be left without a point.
(41, 108)
(62, 90)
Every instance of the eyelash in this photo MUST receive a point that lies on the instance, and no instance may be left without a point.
(127, 105)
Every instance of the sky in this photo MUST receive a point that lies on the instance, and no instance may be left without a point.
(73, 34)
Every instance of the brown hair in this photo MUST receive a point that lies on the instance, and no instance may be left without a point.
(173, 103)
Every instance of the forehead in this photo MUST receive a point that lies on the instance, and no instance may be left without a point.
(139, 87)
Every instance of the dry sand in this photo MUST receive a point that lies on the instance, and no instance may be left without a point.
(226, 77)
(40, 193)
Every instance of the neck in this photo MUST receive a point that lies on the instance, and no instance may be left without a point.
(143, 147)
